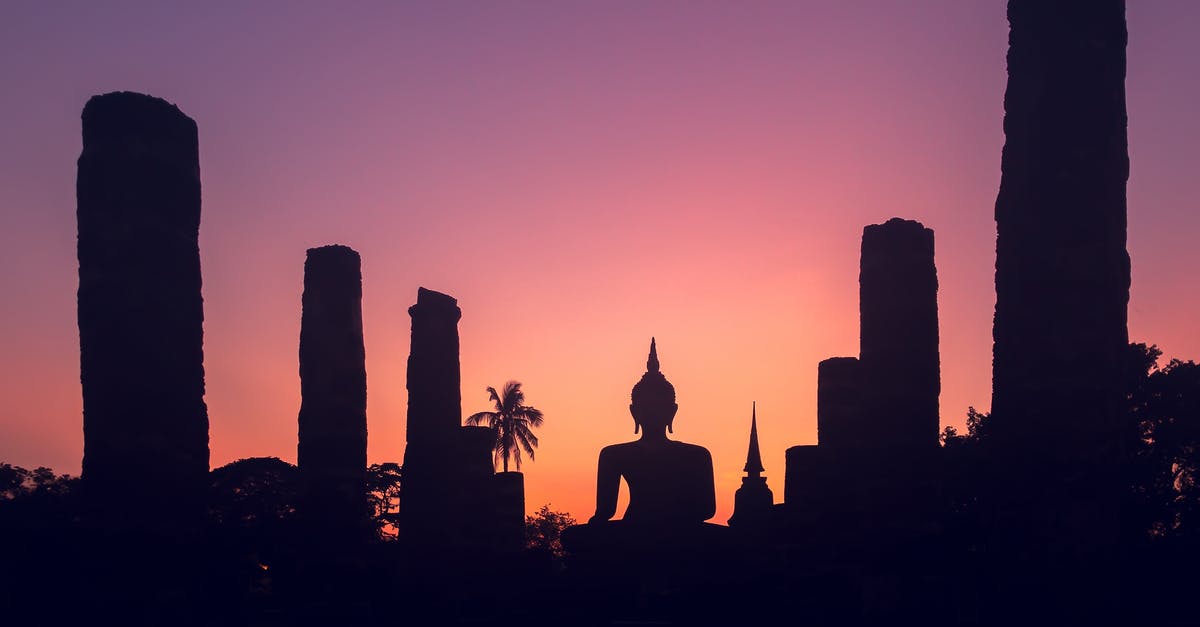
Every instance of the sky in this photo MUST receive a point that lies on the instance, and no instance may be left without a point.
(581, 176)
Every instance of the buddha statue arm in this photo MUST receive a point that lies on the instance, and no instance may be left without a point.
(608, 482)
(708, 496)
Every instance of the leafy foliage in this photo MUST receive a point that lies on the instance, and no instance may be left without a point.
(543, 530)
(253, 491)
(1164, 406)
(383, 493)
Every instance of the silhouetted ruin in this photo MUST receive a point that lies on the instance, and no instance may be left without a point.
(898, 349)
(507, 490)
(1062, 288)
(753, 501)
(1062, 271)
(807, 473)
(451, 496)
(877, 415)
(332, 445)
(140, 313)
(841, 421)
(434, 417)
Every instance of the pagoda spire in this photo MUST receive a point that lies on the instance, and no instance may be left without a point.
(753, 501)
(753, 458)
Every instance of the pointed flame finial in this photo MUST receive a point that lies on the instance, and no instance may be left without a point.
(652, 361)
(753, 457)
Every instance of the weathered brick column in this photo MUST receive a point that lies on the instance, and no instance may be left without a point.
(432, 453)
(898, 347)
(141, 315)
(840, 423)
(332, 447)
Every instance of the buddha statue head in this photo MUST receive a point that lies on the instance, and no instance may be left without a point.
(653, 400)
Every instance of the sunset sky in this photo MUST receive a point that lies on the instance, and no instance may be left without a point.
(580, 176)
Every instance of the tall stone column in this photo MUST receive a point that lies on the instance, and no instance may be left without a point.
(145, 424)
(1062, 290)
(434, 417)
(898, 347)
(1062, 270)
(434, 382)
(332, 447)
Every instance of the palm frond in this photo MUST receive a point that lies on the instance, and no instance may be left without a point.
(533, 415)
(495, 398)
(475, 420)
(513, 397)
(524, 439)
(529, 437)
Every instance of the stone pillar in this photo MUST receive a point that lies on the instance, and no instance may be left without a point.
(434, 418)
(1062, 270)
(1062, 290)
(806, 475)
(898, 347)
(840, 424)
(332, 447)
(508, 490)
(145, 424)
(434, 395)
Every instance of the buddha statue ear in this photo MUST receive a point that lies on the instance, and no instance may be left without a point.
(671, 420)
(636, 426)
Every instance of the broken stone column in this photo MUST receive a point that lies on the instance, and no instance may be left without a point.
(806, 476)
(434, 396)
(431, 455)
(898, 347)
(332, 447)
(508, 493)
(840, 424)
(145, 424)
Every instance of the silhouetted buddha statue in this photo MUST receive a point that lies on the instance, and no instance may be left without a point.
(670, 483)
(662, 545)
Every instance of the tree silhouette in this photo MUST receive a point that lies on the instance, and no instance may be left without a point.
(543, 530)
(383, 493)
(512, 421)
(1164, 405)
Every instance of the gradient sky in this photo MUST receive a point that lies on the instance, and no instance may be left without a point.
(581, 176)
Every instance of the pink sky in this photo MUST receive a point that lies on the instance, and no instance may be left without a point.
(580, 176)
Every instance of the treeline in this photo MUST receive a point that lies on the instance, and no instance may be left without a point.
(1162, 449)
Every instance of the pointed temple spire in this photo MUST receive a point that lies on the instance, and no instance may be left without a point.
(753, 458)
(753, 501)
(652, 361)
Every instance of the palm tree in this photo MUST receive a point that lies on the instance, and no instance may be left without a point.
(511, 421)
